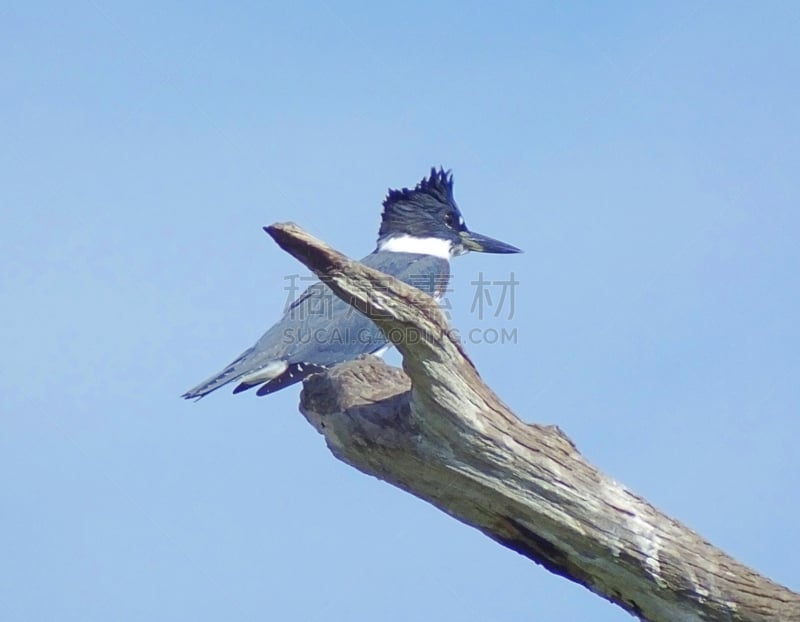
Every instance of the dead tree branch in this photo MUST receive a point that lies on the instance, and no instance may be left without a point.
(440, 433)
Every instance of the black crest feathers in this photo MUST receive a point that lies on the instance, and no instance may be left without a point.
(439, 185)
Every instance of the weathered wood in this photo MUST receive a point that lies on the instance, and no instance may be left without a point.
(440, 433)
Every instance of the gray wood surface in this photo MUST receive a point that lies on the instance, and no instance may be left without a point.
(439, 432)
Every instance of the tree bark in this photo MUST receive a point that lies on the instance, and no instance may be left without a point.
(439, 432)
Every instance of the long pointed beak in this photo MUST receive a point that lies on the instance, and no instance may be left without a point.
(485, 244)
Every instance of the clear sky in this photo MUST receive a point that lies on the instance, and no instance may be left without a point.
(645, 156)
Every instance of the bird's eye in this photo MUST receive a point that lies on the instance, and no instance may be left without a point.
(451, 219)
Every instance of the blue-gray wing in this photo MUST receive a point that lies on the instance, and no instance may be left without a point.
(319, 330)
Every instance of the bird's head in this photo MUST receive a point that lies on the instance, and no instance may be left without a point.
(427, 220)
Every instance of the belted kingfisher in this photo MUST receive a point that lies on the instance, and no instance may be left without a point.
(421, 230)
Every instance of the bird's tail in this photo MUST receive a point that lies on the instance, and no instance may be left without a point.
(232, 372)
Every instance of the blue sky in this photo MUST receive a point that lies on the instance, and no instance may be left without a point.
(645, 156)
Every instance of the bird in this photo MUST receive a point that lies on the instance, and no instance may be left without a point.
(421, 230)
